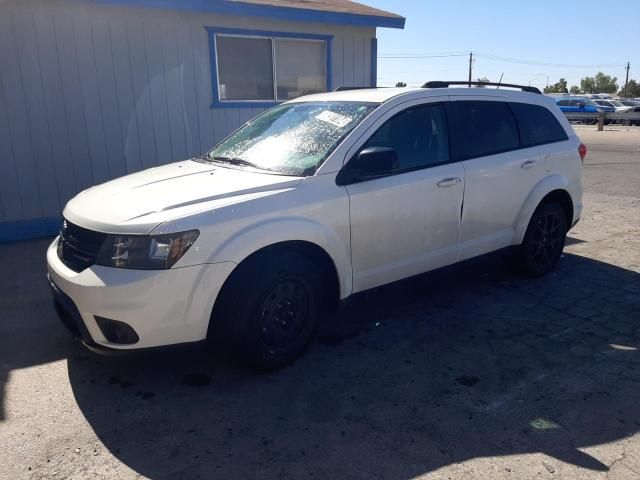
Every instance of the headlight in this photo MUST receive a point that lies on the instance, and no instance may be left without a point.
(145, 252)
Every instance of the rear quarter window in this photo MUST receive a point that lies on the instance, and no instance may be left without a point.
(537, 125)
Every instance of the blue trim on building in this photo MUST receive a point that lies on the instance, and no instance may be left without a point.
(270, 11)
(212, 31)
(374, 62)
(28, 229)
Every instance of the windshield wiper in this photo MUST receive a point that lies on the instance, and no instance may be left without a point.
(241, 162)
(237, 161)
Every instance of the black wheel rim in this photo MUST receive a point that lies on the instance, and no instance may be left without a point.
(284, 314)
(546, 240)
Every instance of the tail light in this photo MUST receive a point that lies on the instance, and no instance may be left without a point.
(582, 151)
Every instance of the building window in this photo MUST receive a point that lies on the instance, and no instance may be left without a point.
(250, 67)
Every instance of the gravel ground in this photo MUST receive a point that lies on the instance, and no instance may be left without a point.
(469, 373)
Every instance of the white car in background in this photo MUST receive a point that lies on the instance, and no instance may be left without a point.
(253, 245)
(619, 106)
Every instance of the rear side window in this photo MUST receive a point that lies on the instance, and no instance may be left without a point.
(481, 128)
(563, 103)
(537, 125)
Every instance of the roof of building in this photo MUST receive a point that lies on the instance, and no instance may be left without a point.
(322, 11)
(342, 6)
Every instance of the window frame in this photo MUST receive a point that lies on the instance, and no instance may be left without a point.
(362, 145)
(521, 146)
(213, 32)
(452, 117)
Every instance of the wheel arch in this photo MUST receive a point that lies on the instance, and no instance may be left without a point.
(311, 250)
(289, 232)
(553, 188)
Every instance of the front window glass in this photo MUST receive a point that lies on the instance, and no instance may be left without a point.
(291, 139)
(418, 135)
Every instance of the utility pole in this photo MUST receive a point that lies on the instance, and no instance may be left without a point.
(626, 82)
(470, 66)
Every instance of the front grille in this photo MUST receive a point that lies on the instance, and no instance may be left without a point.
(78, 246)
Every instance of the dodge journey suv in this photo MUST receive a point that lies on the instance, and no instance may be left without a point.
(253, 244)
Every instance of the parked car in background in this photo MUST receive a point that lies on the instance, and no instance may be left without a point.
(629, 103)
(253, 244)
(634, 111)
(618, 106)
(582, 105)
(600, 96)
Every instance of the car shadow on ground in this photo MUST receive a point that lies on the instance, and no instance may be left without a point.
(471, 362)
(450, 366)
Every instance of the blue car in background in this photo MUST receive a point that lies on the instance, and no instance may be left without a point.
(582, 105)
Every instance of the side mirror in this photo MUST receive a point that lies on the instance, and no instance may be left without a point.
(372, 162)
(580, 105)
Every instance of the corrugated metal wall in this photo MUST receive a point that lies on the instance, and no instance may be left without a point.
(91, 92)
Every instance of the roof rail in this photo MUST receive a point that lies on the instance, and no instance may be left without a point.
(445, 84)
(343, 89)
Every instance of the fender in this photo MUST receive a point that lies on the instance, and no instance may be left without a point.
(257, 236)
(541, 190)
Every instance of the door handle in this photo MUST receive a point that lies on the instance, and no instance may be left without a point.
(528, 164)
(447, 182)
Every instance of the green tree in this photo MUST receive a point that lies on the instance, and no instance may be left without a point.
(559, 87)
(633, 89)
(482, 80)
(606, 83)
(588, 85)
(401, 84)
(600, 83)
(574, 89)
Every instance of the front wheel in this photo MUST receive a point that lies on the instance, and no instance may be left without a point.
(270, 309)
(543, 242)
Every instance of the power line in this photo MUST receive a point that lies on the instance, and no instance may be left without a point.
(497, 58)
(544, 64)
(433, 55)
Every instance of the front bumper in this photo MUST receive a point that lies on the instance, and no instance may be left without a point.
(164, 307)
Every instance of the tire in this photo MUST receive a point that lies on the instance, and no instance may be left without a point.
(543, 241)
(269, 309)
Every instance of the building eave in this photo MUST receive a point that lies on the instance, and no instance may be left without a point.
(270, 11)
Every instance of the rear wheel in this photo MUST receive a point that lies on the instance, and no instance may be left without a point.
(543, 242)
(269, 310)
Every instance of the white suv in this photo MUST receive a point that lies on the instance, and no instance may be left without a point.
(255, 243)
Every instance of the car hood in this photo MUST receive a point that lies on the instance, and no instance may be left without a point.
(138, 203)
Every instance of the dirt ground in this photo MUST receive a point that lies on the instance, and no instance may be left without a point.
(469, 373)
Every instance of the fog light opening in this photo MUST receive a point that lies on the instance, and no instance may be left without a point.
(117, 332)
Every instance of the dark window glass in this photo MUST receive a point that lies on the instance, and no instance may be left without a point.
(245, 68)
(563, 103)
(537, 125)
(482, 128)
(418, 135)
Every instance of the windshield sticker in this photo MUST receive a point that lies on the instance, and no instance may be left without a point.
(334, 118)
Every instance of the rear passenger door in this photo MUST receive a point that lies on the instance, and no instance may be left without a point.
(499, 173)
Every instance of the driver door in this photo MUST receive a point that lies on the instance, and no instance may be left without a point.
(406, 221)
